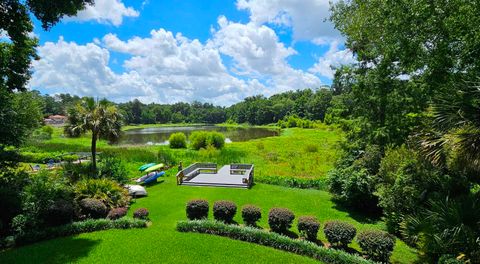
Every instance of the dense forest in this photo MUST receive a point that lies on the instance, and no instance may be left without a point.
(255, 110)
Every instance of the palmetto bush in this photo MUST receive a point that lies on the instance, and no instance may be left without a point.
(107, 191)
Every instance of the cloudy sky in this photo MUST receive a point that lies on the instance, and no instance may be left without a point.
(167, 51)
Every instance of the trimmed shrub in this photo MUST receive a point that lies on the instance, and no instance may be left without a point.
(93, 208)
(70, 158)
(141, 213)
(224, 211)
(308, 226)
(59, 213)
(377, 245)
(339, 233)
(251, 214)
(280, 219)
(197, 209)
(117, 213)
(89, 225)
(262, 237)
(178, 140)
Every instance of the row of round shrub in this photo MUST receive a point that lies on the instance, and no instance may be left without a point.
(377, 245)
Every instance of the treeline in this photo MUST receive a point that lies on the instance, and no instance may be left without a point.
(256, 110)
(410, 108)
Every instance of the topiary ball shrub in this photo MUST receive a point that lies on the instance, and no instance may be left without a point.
(377, 245)
(117, 213)
(141, 213)
(339, 233)
(178, 140)
(251, 214)
(197, 209)
(224, 211)
(93, 208)
(59, 213)
(280, 219)
(308, 227)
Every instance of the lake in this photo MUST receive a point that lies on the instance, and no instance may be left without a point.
(160, 135)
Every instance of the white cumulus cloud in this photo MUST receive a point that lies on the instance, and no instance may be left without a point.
(307, 18)
(106, 11)
(333, 58)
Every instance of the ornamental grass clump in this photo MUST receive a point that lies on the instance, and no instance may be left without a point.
(280, 220)
(308, 227)
(224, 211)
(339, 233)
(251, 214)
(377, 245)
(197, 209)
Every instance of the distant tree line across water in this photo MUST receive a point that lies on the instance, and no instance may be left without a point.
(256, 110)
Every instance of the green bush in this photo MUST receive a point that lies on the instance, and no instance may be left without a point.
(141, 213)
(75, 171)
(105, 190)
(89, 225)
(178, 140)
(280, 219)
(449, 259)
(377, 245)
(60, 212)
(311, 148)
(308, 226)
(70, 158)
(251, 214)
(339, 233)
(224, 211)
(117, 213)
(202, 139)
(319, 184)
(262, 237)
(93, 208)
(198, 140)
(39, 157)
(47, 200)
(112, 167)
(197, 209)
(215, 139)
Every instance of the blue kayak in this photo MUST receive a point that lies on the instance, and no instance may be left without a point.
(146, 166)
(154, 177)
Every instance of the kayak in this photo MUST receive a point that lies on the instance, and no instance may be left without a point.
(156, 167)
(146, 166)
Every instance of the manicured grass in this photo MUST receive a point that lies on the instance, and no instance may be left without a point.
(161, 243)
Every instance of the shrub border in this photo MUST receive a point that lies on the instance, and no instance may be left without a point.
(270, 239)
(87, 226)
(292, 182)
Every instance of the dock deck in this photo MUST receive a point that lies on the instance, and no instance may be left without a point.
(227, 176)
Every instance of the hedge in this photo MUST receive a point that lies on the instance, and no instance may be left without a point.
(270, 239)
(89, 225)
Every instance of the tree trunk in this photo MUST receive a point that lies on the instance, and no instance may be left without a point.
(94, 153)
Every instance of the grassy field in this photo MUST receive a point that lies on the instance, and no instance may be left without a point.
(303, 153)
(161, 243)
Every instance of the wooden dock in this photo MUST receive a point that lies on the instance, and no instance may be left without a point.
(234, 175)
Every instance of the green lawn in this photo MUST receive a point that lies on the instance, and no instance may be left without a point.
(285, 155)
(161, 243)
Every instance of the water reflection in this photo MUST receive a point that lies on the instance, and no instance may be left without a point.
(160, 135)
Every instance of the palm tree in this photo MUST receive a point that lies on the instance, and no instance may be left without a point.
(101, 118)
(455, 127)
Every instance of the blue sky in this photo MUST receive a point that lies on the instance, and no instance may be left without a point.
(168, 51)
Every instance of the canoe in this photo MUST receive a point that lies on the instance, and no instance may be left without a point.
(146, 166)
(155, 168)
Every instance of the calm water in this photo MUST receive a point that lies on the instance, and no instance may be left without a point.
(160, 135)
